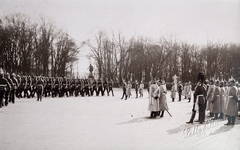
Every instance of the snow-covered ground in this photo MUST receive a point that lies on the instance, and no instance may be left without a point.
(108, 123)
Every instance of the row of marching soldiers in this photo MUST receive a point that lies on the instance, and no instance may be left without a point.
(12, 86)
(220, 98)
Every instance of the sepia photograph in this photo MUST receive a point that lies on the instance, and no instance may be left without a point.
(119, 74)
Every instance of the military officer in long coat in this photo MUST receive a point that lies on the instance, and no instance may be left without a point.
(222, 100)
(216, 101)
(153, 106)
(173, 91)
(232, 106)
(210, 93)
(189, 91)
(161, 94)
(141, 87)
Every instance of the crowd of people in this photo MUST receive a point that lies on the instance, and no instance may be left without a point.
(13, 85)
(219, 98)
(127, 89)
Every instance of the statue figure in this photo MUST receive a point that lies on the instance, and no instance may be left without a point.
(175, 81)
(90, 69)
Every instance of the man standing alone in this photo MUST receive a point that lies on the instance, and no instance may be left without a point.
(180, 88)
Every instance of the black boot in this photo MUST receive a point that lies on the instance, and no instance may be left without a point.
(233, 120)
(189, 100)
(162, 114)
(201, 117)
(151, 114)
(211, 114)
(221, 116)
(215, 116)
(158, 113)
(172, 99)
(229, 120)
(192, 117)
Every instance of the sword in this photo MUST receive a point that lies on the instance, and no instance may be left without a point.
(169, 113)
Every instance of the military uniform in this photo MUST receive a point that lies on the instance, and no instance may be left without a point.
(136, 88)
(22, 86)
(72, 86)
(15, 86)
(200, 97)
(78, 87)
(232, 105)
(124, 90)
(100, 87)
(110, 87)
(56, 87)
(40, 89)
(9, 89)
(180, 89)
(64, 87)
(86, 88)
(34, 86)
(94, 87)
(105, 86)
(3, 87)
(47, 88)
(27, 90)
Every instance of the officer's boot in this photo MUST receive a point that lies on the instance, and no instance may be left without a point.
(162, 114)
(233, 120)
(201, 117)
(221, 116)
(215, 116)
(211, 114)
(158, 113)
(229, 120)
(192, 117)
(151, 114)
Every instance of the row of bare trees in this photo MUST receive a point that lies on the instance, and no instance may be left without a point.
(142, 59)
(39, 48)
(36, 48)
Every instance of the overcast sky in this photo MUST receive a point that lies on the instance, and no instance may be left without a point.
(193, 21)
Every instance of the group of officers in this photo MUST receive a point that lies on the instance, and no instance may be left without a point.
(13, 85)
(220, 98)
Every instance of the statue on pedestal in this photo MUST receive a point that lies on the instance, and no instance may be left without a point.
(90, 70)
(175, 81)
